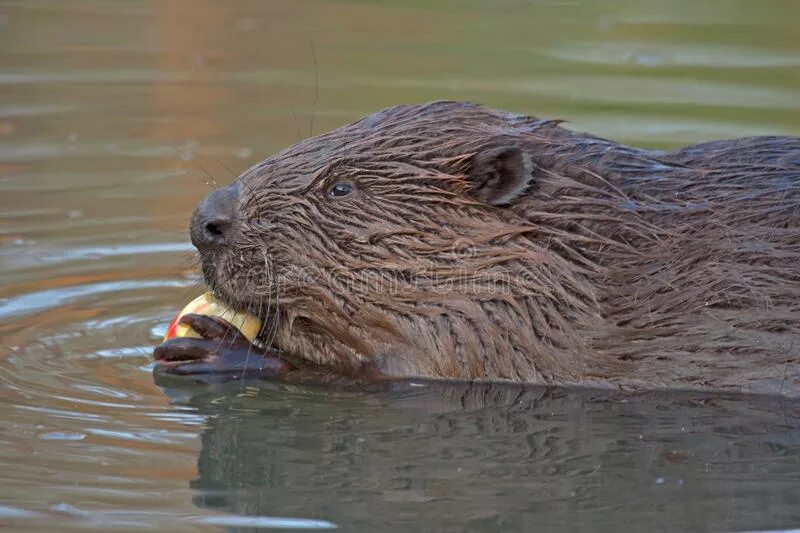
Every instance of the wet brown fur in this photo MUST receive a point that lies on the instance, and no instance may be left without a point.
(615, 266)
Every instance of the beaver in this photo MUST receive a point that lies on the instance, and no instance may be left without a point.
(453, 240)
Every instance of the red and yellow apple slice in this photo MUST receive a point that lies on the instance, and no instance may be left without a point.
(207, 304)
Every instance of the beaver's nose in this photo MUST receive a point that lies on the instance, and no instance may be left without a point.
(213, 222)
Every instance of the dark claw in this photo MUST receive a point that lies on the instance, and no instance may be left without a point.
(211, 327)
(239, 363)
(186, 349)
(222, 350)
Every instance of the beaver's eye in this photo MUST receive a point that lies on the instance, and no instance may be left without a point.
(340, 189)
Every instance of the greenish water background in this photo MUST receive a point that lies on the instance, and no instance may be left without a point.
(115, 116)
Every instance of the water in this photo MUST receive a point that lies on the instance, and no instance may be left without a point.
(115, 116)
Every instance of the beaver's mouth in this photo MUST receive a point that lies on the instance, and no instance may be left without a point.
(233, 290)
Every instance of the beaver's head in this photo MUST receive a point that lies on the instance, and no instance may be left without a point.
(402, 241)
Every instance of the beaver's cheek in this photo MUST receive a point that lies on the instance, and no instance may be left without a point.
(209, 266)
(225, 278)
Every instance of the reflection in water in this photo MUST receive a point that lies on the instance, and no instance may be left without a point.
(117, 117)
(482, 457)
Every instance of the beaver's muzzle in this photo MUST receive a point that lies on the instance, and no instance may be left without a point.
(214, 220)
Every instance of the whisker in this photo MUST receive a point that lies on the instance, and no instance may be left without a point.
(296, 124)
(273, 332)
(268, 276)
(247, 357)
(211, 181)
(226, 167)
(201, 177)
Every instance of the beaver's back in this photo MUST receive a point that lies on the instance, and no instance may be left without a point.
(701, 287)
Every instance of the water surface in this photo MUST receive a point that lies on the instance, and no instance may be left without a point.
(117, 117)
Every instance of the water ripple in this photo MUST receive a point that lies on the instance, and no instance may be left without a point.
(36, 302)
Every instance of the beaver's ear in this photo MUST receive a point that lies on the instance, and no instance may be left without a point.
(498, 174)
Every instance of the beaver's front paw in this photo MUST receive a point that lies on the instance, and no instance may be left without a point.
(221, 350)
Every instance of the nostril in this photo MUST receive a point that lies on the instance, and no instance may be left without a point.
(217, 228)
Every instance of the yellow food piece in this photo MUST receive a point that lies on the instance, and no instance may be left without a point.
(206, 304)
